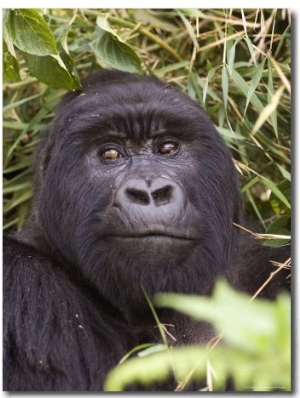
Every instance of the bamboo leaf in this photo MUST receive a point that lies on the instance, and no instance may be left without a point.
(268, 110)
(225, 86)
(276, 191)
(255, 80)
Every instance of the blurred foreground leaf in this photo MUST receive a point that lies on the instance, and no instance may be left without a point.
(257, 337)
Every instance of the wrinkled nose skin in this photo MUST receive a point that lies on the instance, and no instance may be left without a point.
(162, 200)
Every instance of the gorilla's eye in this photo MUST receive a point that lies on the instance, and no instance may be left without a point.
(168, 148)
(110, 154)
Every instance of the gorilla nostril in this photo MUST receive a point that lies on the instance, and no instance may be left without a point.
(138, 196)
(162, 196)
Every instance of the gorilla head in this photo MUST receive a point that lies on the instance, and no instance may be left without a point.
(135, 187)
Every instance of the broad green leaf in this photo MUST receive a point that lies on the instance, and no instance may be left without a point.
(11, 66)
(157, 367)
(29, 32)
(61, 36)
(69, 63)
(261, 371)
(265, 324)
(240, 331)
(110, 49)
(52, 71)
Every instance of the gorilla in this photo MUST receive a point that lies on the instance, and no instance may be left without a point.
(133, 187)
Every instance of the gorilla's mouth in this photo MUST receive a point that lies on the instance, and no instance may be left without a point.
(155, 234)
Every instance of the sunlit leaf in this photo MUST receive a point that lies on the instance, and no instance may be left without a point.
(52, 71)
(29, 31)
(116, 54)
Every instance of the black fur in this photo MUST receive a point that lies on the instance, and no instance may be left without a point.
(159, 215)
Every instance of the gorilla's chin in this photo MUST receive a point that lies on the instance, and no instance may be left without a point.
(155, 250)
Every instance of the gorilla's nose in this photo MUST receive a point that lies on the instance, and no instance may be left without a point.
(150, 199)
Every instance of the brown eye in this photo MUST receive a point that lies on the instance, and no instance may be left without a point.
(110, 154)
(168, 148)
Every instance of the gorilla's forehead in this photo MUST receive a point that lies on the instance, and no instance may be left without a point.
(136, 114)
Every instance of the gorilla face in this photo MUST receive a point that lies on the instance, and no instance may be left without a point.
(137, 188)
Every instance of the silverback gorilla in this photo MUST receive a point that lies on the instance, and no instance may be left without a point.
(133, 187)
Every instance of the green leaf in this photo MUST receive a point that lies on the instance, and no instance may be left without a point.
(146, 17)
(244, 87)
(171, 67)
(255, 80)
(11, 66)
(276, 191)
(225, 86)
(189, 29)
(210, 75)
(52, 71)
(268, 110)
(241, 330)
(152, 350)
(156, 367)
(18, 199)
(258, 336)
(110, 49)
(250, 183)
(228, 135)
(29, 32)
(231, 55)
(251, 48)
(17, 187)
(281, 226)
(285, 174)
(14, 105)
